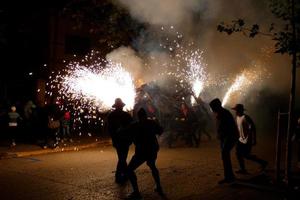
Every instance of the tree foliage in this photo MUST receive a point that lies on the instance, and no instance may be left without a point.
(105, 18)
(281, 33)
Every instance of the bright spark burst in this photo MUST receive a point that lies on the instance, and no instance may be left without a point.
(100, 87)
(196, 72)
(242, 84)
(89, 87)
(185, 64)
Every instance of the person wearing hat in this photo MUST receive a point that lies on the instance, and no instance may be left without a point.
(227, 134)
(247, 138)
(118, 123)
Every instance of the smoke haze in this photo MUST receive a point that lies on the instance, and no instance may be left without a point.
(196, 20)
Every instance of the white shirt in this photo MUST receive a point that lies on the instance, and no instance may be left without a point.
(240, 121)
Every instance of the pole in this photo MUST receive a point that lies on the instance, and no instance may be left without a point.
(291, 124)
(278, 149)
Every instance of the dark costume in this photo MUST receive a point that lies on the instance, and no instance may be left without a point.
(227, 134)
(118, 122)
(146, 148)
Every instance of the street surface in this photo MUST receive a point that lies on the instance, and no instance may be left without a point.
(186, 173)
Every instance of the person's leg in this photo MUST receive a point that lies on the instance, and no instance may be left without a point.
(228, 173)
(12, 133)
(254, 158)
(68, 131)
(122, 153)
(155, 174)
(240, 152)
(134, 163)
(64, 132)
(195, 138)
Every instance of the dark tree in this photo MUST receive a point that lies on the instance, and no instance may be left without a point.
(104, 18)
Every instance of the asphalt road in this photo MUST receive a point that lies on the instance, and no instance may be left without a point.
(186, 173)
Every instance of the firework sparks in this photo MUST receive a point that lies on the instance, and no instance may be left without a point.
(242, 84)
(100, 87)
(185, 64)
(196, 73)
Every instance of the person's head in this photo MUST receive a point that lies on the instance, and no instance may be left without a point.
(142, 114)
(118, 105)
(239, 109)
(215, 105)
(13, 108)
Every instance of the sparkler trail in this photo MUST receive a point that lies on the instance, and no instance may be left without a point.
(240, 82)
(243, 82)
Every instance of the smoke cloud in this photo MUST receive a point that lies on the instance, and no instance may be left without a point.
(197, 20)
(167, 12)
(129, 60)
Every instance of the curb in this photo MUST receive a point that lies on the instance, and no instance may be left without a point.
(8, 155)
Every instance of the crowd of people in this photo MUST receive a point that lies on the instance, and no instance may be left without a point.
(46, 125)
(142, 128)
(239, 132)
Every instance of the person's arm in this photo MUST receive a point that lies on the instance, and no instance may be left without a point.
(251, 128)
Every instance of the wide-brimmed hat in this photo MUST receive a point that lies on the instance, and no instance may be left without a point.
(118, 103)
(238, 107)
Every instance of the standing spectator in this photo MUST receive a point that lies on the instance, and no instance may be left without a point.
(247, 139)
(227, 134)
(53, 114)
(146, 148)
(65, 122)
(14, 119)
(118, 121)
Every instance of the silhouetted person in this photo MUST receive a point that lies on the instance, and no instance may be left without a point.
(146, 148)
(14, 119)
(118, 121)
(227, 134)
(247, 139)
